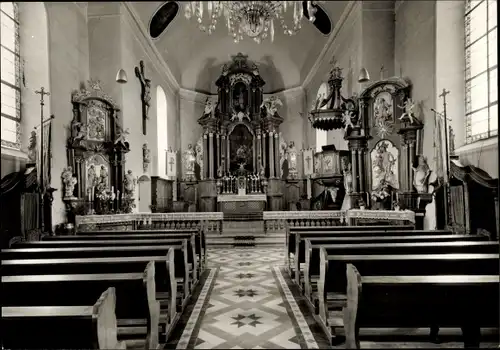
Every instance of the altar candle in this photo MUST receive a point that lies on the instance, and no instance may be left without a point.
(92, 198)
(112, 189)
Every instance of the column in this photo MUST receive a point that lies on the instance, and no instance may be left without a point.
(361, 171)
(271, 154)
(264, 156)
(354, 171)
(259, 151)
(412, 154)
(227, 154)
(223, 154)
(211, 155)
(219, 153)
(205, 157)
(277, 155)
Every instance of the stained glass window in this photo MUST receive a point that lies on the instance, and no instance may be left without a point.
(11, 87)
(321, 135)
(481, 99)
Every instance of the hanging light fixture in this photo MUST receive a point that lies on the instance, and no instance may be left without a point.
(364, 76)
(121, 76)
(252, 18)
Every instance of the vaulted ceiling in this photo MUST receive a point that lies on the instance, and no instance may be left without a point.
(196, 58)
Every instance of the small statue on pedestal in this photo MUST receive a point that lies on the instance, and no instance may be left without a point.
(421, 175)
(129, 183)
(408, 114)
(189, 160)
(146, 157)
(69, 182)
(32, 148)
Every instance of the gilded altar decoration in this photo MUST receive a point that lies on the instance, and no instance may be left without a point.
(318, 162)
(408, 114)
(384, 159)
(69, 182)
(210, 106)
(145, 94)
(421, 175)
(382, 108)
(199, 155)
(146, 157)
(96, 120)
(189, 160)
(78, 132)
(292, 161)
(271, 105)
(283, 151)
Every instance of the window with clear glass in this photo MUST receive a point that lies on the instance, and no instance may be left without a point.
(321, 135)
(481, 69)
(10, 88)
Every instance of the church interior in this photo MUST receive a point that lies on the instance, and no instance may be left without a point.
(249, 175)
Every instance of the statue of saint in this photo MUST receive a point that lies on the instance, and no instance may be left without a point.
(209, 107)
(91, 176)
(292, 157)
(421, 175)
(69, 182)
(347, 177)
(382, 109)
(129, 183)
(383, 167)
(103, 174)
(32, 149)
(189, 158)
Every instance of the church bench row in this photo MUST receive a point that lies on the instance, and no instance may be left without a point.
(467, 301)
(290, 237)
(383, 244)
(333, 285)
(111, 259)
(199, 238)
(363, 231)
(166, 283)
(88, 326)
(46, 247)
(137, 311)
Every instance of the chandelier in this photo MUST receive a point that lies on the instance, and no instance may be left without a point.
(253, 18)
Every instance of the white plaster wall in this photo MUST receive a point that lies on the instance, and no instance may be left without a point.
(69, 66)
(34, 50)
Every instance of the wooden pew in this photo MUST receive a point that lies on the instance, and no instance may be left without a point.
(97, 265)
(101, 240)
(187, 251)
(199, 233)
(62, 327)
(312, 258)
(290, 239)
(137, 310)
(470, 302)
(332, 283)
(299, 256)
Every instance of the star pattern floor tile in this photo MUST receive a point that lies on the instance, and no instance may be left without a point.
(249, 305)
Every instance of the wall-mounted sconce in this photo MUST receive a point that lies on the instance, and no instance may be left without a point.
(121, 76)
(364, 76)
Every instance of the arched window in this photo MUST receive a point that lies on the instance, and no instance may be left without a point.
(321, 135)
(10, 77)
(162, 130)
(481, 70)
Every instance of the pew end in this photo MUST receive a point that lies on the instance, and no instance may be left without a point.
(105, 316)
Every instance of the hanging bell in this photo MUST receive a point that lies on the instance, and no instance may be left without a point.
(121, 76)
(363, 76)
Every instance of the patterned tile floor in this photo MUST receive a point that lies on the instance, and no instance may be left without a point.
(246, 303)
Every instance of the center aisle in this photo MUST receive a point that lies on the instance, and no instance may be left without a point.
(249, 306)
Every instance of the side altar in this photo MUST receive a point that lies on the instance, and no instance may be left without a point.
(236, 161)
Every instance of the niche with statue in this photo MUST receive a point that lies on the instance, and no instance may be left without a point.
(94, 181)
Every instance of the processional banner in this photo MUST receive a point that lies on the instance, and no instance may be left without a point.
(307, 156)
(171, 163)
(45, 153)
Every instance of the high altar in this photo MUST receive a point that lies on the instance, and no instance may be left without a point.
(235, 165)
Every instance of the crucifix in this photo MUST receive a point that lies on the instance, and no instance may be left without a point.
(42, 93)
(145, 93)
